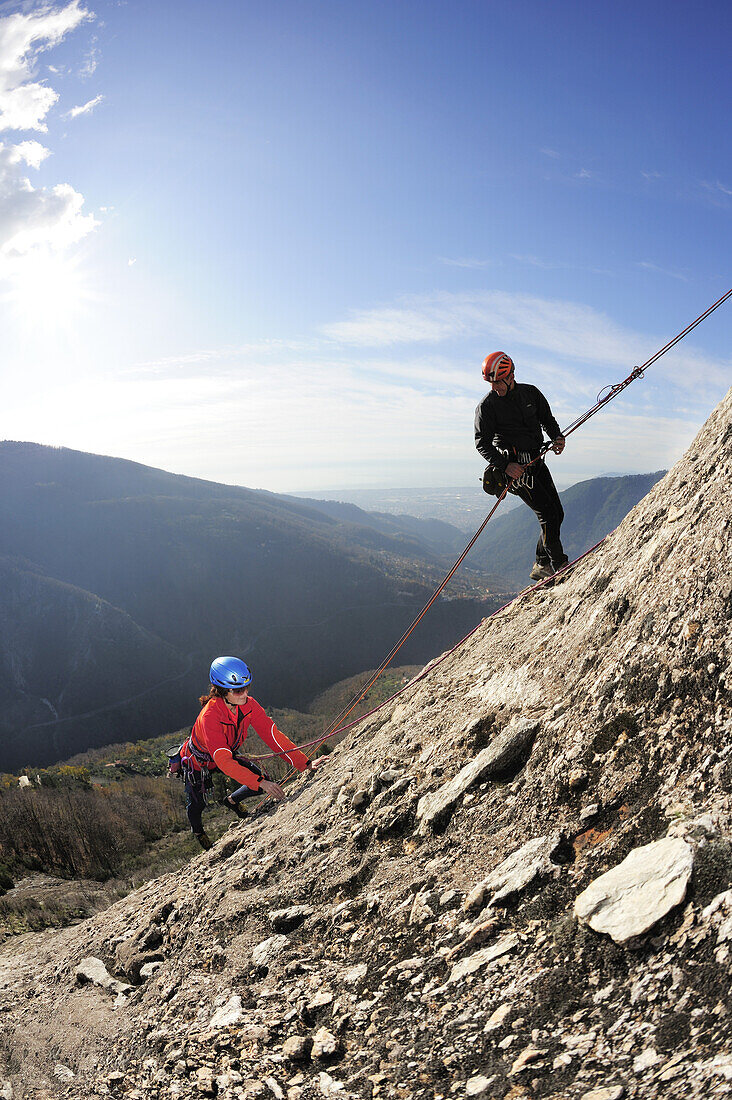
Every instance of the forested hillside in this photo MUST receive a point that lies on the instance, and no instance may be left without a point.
(121, 583)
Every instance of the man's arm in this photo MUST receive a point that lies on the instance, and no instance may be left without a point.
(546, 417)
(484, 431)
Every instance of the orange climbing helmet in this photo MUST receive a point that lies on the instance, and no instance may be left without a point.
(497, 366)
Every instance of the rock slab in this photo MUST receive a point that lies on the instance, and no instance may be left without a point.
(632, 897)
(502, 752)
(520, 868)
(479, 959)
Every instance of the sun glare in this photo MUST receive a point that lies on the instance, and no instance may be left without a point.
(48, 292)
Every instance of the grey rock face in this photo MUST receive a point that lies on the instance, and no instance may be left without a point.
(503, 751)
(632, 897)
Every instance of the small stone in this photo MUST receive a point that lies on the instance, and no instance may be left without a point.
(325, 1045)
(390, 776)
(360, 801)
(474, 899)
(321, 999)
(521, 868)
(578, 779)
(63, 1073)
(229, 1015)
(274, 1088)
(328, 1086)
(526, 1058)
(498, 1018)
(421, 912)
(296, 1048)
(482, 958)
(93, 970)
(646, 1060)
(228, 1079)
(148, 969)
(355, 974)
(205, 1081)
(479, 1085)
(611, 1092)
(504, 750)
(268, 950)
(287, 920)
(589, 812)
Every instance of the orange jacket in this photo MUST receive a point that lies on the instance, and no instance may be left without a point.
(218, 732)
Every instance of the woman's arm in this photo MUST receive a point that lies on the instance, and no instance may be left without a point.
(275, 738)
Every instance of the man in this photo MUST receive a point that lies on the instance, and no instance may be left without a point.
(508, 434)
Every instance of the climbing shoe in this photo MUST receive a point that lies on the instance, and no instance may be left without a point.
(541, 572)
(204, 840)
(235, 808)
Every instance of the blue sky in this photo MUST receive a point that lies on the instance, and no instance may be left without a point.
(270, 243)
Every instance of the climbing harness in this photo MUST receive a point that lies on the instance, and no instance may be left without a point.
(603, 398)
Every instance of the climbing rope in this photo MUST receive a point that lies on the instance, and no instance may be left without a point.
(434, 664)
(603, 399)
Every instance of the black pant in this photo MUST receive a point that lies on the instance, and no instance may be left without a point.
(542, 497)
(196, 785)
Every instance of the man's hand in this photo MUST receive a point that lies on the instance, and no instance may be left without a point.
(316, 762)
(513, 470)
(558, 445)
(273, 790)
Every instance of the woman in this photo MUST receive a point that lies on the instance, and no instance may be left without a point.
(220, 729)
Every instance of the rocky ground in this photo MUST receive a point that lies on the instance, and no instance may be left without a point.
(517, 883)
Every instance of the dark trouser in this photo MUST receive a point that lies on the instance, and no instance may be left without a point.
(543, 499)
(196, 785)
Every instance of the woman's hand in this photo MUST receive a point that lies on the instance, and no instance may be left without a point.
(316, 762)
(272, 790)
(558, 445)
(513, 470)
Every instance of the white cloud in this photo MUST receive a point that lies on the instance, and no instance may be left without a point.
(564, 328)
(86, 108)
(582, 347)
(466, 262)
(33, 218)
(716, 189)
(648, 266)
(24, 102)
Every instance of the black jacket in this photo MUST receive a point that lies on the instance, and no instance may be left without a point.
(513, 423)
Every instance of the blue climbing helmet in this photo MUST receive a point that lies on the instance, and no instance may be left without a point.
(230, 672)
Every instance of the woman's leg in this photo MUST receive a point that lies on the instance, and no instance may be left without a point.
(195, 801)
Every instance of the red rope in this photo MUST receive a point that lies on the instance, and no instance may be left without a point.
(433, 665)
